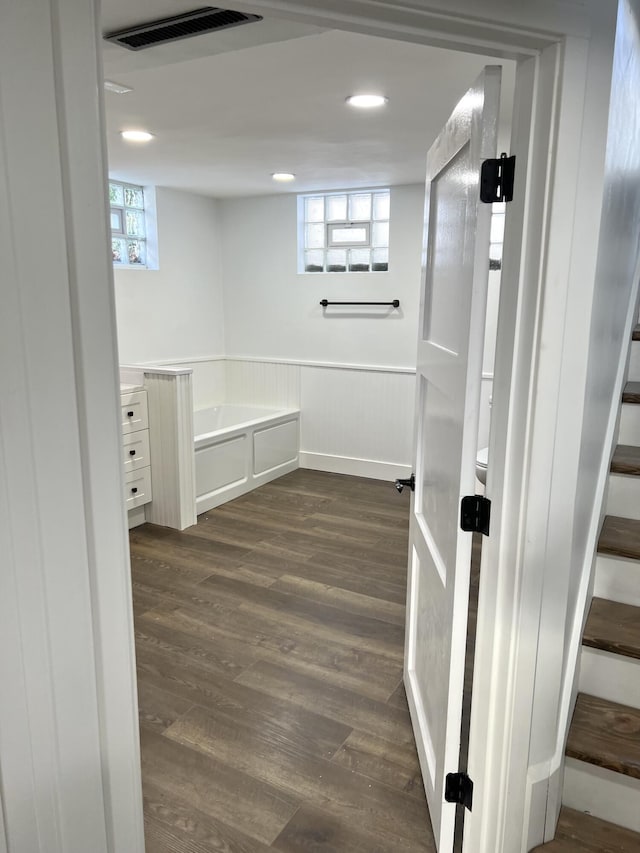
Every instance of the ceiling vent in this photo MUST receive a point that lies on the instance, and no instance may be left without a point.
(179, 27)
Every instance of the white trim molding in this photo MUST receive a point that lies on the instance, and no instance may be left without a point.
(332, 365)
(371, 468)
(69, 749)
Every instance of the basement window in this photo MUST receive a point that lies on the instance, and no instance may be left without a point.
(344, 232)
(128, 225)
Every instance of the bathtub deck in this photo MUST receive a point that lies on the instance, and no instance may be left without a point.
(270, 642)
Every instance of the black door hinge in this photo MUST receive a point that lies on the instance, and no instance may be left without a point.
(496, 179)
(458, 788)
(475, 514)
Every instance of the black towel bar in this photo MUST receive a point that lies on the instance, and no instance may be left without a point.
(394, 304)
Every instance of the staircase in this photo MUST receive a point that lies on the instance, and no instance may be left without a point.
(601, 796)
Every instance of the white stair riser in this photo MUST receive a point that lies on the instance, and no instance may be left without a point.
(607, 795)
(624, 496)
(610, 676)
(617, 579)
(634, 362)
(629, 424)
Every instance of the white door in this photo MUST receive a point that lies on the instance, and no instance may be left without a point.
(449, 371)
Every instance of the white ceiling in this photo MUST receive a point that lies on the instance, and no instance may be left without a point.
(228, 109)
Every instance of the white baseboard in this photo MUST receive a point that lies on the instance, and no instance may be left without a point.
(370, 468)
(610, 676)
(634, 362)
(136, 516)
(629, 423)
(602, 793)
(623, 498)
(617, 579)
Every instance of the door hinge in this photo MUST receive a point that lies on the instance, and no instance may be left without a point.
(475, 514)
(496, 179)
(458, 788)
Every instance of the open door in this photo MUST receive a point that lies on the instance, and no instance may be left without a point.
(449, 372)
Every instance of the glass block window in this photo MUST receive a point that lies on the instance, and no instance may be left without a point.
(497, 236)
(345, 231)
(128, 232)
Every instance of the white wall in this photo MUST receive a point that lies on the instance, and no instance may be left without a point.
(273, 312)
(356, 421)
(176, 311)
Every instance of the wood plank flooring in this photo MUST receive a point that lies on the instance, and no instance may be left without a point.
(613, 627)
(270, 648)
(582, 833)
(605, 734)
(620, 537)
(626, 460)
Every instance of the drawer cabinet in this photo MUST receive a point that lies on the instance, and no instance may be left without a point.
(136, 461)
(137, 488)
(135, 448)
(134, 411)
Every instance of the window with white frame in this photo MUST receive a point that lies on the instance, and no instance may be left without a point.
(345, 231)
(128, 231)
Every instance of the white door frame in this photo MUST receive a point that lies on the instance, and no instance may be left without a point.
(69, 743)
(66, 521)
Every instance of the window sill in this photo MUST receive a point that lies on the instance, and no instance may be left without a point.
(346, 272)
(131, 267)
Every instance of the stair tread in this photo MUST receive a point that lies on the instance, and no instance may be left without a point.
(636, 333)
(605, 734)
(620, 536)
(613, 627)
(626, 460)
(631, 393)
(582, 833)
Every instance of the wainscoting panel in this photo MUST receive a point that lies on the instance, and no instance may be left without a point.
(172, 458)
(355, 419)
(263, 383)
(361, 418)
(209, 382)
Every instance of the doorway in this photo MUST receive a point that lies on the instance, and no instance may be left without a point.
(254, 213)
(95, 365)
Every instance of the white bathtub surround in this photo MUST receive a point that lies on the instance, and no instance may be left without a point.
(170, 399)
(238, 448)
(355, 418)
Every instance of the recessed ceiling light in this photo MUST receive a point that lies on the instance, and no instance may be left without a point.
(367, 101)
(136, 135)
(116, 88)
(283, 177)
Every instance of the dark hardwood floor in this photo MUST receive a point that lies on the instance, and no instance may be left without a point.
(270, 644)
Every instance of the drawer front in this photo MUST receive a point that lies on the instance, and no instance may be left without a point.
(137, 487)
(134, 411)
(135, 447)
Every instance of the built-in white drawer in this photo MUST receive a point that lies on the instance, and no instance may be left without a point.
(134, 411)
(137, 487)
(135, 447)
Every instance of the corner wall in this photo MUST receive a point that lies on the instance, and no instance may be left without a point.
(176, 311)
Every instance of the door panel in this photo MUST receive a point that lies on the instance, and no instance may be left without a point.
(449, 372)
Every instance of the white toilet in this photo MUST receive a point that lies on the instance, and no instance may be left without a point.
(481, 465)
